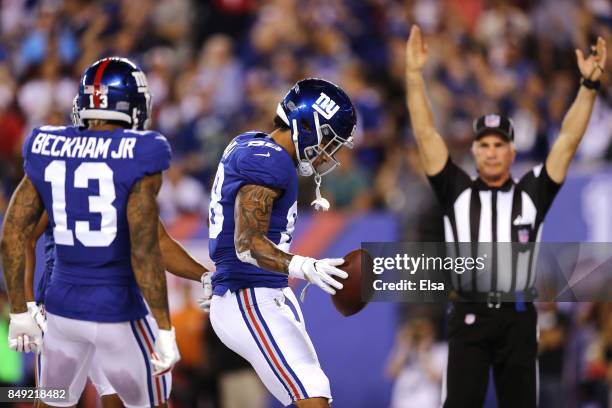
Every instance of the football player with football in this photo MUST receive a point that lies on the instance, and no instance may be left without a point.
(252, 213)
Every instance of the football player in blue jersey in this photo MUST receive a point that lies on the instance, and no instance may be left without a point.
(176, 261)
(252, 214)
(98, 184)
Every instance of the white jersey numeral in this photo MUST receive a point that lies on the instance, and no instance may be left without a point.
(285, 240)
(215, 211)
(102, 204)
(55, 173)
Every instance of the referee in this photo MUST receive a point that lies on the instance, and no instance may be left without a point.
(495, 323)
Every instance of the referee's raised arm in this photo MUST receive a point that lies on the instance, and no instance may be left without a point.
(577, 118)
(432, 149)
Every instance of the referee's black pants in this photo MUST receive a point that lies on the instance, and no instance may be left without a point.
(480, 338)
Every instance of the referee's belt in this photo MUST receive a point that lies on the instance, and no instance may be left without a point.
(494, 300)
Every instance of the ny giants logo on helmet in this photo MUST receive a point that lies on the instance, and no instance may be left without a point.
(325, 106)
(141, 81)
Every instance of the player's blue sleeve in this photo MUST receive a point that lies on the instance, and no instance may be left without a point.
(27, 146)
(265, 167)
(153, 153)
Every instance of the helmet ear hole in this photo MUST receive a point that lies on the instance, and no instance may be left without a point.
(305, 125)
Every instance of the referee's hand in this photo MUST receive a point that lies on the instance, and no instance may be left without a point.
(593, 67)
(416, 51)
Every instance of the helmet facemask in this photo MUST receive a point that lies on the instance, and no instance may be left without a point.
(318, 159)
(322, 157)
(74, 115)
(142, 120)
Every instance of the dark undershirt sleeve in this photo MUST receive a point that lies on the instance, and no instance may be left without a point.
(449, 183)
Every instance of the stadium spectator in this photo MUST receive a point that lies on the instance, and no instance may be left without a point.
(554, 326)
(417, 364)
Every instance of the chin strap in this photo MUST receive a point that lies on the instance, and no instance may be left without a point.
(320, 203)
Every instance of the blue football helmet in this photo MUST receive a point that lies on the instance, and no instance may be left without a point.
(322, 120)
(113, 89)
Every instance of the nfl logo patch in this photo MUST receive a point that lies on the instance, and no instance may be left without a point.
(523, 235)
(492, 121)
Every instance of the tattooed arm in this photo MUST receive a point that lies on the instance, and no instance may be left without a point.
(176, 259)
(252, 217)
(143, 219)
(22, 216)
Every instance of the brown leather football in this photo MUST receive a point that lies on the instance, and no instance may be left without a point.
(355, 294)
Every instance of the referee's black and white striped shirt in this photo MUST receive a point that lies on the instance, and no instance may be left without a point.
(475, 212)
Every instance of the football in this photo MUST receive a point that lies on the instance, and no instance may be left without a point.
(354, 295)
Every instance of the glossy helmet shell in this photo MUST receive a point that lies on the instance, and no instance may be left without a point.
(313, 108)
(114, 89)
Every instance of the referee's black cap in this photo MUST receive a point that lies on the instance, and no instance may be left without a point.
(494, 123)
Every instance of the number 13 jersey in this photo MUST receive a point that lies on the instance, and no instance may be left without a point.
(84, 178)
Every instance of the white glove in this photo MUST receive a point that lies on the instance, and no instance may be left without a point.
(37, 314)
(166, 352)
(318, 271)
(204, 301)
(24, 335)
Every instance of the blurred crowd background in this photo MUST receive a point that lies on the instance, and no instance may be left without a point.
(219, 67)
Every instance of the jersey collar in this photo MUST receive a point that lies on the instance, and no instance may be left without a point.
(482, 186)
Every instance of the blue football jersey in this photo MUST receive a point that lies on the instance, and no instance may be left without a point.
(251, 158)
(84, 178)
(45, 275)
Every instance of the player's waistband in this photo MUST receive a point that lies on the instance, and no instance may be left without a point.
(94, 276)
(225, 269)
(233, 278)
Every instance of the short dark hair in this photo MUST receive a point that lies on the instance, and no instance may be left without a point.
(87, 122)
(280, 124)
